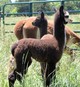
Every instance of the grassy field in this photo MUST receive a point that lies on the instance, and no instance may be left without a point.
(67, 76)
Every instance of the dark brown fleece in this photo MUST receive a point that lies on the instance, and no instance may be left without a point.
(48, 51)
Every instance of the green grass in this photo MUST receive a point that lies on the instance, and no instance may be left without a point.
(68, 74)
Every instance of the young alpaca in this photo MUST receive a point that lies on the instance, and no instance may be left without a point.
(42, 23)
(48, 51)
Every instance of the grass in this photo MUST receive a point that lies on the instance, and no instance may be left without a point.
(68, 74)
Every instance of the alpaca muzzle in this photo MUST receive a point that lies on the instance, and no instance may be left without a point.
(67, 20)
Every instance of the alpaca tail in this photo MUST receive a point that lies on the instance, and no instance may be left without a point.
(18, 29)
(13, 48)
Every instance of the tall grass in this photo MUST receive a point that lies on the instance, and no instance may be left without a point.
(68, 74)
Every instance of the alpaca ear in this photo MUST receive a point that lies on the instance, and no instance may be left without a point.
(61, 9)
(42, 14)
(55, 9)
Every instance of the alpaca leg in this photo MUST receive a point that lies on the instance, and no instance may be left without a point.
(12, 79)
(27, 64)
(43, 66)
(49, 73)
(22, 62)
(11, 71)
(24, 33)
(25, 67)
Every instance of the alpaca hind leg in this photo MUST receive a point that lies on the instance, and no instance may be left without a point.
(23, 62)
(27, 64)
(12, 79)
(43, 66)
(49, 73)
(11, 71)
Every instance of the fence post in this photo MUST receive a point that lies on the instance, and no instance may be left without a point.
(30, 6)
(0, 16)
(3, 13)
(62, 2)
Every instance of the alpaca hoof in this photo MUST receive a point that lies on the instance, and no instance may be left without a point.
(11, 79)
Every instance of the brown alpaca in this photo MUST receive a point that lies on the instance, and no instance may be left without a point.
(48, 51)
(40, 20)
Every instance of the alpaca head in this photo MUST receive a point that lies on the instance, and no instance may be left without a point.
(68, 20)
(62, 15)
(40, 21)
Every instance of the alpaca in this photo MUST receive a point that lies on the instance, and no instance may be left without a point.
(40, 20)
(47, 51)
(41, 23)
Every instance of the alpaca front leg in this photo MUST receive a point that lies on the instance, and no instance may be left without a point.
(49, 73)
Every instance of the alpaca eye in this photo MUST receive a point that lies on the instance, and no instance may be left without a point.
(67, 16)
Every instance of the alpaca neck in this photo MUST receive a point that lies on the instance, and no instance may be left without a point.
(43, 31)
(59, 32)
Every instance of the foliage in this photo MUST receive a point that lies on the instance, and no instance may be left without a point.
(14, 10)
(72, 5)
(4, 2)
(69, 5)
